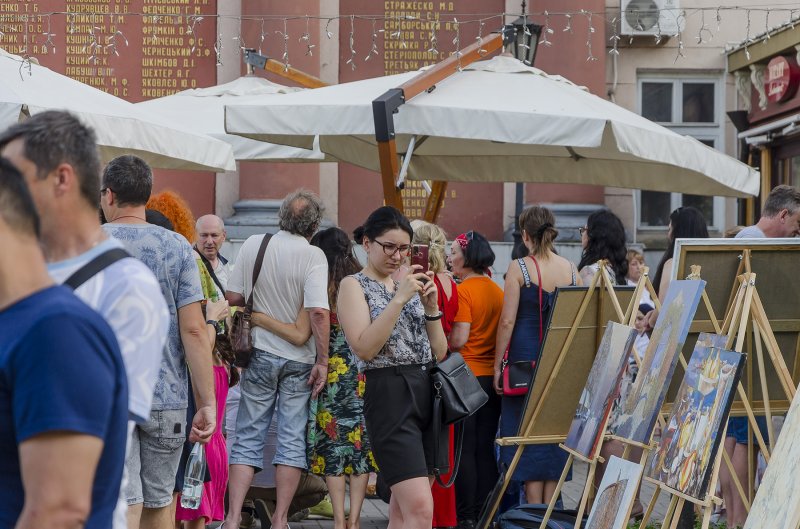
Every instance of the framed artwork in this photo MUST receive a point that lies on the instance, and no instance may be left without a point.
(777, 502)
(601, 389)
(638, 410)
(687, 451)
(775, 263)
(612, 506)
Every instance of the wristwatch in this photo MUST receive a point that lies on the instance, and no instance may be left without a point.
(215, 323)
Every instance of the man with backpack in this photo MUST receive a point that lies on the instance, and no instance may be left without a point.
(58, 158)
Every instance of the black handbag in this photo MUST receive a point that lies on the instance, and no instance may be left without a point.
(457, 394)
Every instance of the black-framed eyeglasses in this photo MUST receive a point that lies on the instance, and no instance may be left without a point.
(583, 229)
(390, 248)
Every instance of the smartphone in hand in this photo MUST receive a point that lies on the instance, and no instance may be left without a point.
(419, 256)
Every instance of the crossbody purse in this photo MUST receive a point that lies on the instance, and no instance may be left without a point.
(517, 376)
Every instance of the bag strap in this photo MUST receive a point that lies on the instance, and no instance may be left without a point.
(458, 444)
(525, 274)
(95, 266)
(257, 268)
(210, 270)
(539, 276)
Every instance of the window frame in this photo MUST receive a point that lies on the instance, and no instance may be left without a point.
(708, 131)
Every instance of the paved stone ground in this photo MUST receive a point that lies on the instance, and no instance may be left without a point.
(375, 514)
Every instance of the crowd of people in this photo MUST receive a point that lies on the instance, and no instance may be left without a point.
(116, 354)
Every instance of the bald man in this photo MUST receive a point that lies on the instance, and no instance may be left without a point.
(210, 236)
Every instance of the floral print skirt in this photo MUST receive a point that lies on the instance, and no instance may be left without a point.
(337, 436)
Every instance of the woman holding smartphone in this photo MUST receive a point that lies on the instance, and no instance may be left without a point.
(394, 329)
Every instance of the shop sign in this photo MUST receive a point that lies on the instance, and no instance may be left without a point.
(782, 79)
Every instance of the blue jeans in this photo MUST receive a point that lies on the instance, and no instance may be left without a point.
(272, 384)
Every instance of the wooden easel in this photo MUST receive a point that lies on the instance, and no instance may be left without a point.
(602, 282)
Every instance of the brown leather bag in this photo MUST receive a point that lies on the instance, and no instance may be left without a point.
(241, 340)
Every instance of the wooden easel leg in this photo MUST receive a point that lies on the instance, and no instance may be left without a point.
(764, 387)
(670, 511)
(585, 495)
(560, 485)
(707, 512)
(676, 514)
(772, 347)
(652, 505)
(509, 474)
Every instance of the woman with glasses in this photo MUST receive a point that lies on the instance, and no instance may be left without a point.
(603, 237)
(528, 298)
(394, 329)
(474, 334)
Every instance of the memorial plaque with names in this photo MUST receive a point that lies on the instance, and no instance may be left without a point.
(407, 36)
(133, 49)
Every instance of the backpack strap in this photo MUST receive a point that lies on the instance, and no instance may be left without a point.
(95, 266)
(257, 267)
(525, 275)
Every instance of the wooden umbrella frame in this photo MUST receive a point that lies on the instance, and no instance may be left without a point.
(387, 105)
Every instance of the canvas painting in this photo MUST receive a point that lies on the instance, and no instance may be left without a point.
(601, 389)
(687, 451)
(777, 502)
(637, 412)
(612, 507)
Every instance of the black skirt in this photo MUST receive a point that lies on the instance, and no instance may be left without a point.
(398, 408)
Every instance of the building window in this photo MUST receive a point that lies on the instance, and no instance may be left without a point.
(689, 106)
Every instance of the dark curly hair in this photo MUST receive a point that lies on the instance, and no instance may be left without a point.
(225, 351)
(606, 241)
(338, 250)
(687, 223)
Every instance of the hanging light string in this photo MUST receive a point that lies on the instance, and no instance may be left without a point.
(111, 44)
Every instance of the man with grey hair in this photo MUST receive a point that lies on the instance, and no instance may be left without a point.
(780, 217)
(210, 236)
(292, 285)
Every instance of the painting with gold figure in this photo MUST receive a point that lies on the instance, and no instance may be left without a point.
(612, 508)
(637, 412)
(687, 451)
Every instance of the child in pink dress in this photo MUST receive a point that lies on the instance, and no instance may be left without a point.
(211, 506)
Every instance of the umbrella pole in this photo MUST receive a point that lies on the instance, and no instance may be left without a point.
(386, 106)
(284, 70)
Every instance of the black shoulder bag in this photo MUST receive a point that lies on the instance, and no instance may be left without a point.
(95, 266)
(457, 395)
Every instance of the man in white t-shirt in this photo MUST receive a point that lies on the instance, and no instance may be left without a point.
(282, 376)
(210, 236)
(126, 293)
(780, 217)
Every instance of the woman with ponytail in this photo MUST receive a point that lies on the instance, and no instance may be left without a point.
(528, 298)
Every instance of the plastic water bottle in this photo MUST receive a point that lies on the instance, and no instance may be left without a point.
(192, 491)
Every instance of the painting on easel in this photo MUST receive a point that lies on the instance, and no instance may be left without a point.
(615, 496)
(638, 410)
(686, 454)
(777, 502)
(601, 389)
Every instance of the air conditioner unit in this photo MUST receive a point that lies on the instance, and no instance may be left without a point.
(651, 17)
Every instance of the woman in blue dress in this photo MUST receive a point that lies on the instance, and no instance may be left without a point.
(521, 328)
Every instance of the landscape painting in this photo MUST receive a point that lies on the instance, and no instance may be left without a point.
(637, 412)
(612, 507)
(688, 447)
(602, 387)
(777, 502)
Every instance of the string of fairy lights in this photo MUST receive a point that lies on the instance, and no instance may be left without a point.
(759, 24)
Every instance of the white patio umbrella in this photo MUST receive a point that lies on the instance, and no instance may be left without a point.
(203, 110)
(120, 126)
(499, 121)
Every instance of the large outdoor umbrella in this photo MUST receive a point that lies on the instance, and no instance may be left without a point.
(203, 110)
(499, 121)
(120, 126)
